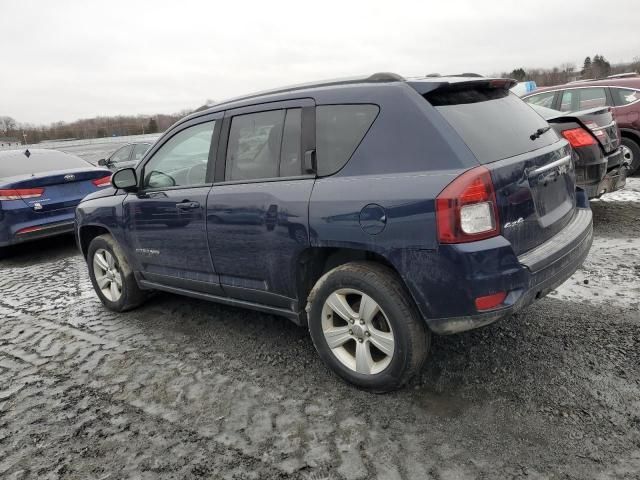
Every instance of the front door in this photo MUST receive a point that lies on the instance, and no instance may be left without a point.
(257, 211)
(166, 218)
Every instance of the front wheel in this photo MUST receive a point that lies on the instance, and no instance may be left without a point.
(111, 275)
(366, 328)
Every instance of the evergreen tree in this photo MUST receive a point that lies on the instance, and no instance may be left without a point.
(153, 126)
(586, 69)
(518, 74)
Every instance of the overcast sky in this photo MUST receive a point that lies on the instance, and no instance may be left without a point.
(63, 60)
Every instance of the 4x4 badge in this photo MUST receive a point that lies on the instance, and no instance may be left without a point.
(514, 223)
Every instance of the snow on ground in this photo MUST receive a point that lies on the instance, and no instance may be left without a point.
(630, 193)
(611, 272)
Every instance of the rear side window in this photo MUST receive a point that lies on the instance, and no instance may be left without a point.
(253, 151)
(265, 145)
(542, 99)
(624, 96)
(568, 102)
(591, 98)
(291, 155)
(16, 163)
(494, 123)
(339, 130)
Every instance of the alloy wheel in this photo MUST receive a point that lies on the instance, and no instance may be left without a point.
(357, 331)
(108, 276)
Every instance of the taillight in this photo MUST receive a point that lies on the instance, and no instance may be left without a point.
(18, 193)
(102, 182)
(579, 137)
(466, 210)
(597, 130)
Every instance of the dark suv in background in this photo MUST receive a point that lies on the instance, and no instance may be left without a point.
(621, 94)
(374, 211)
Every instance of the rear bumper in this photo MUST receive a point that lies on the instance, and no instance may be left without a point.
(20, 233)
(614, 179)
(486, 267)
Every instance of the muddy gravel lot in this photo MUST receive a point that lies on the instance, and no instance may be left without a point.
(186, 389)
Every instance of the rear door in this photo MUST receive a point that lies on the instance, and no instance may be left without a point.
(257, 212)
(531, 167)
(166, 218)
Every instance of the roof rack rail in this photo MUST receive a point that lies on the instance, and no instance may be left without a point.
(379, 77)
(624, 75)
(385, 77)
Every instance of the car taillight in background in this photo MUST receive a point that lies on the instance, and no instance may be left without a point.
(579, 137)
(597, 130)
(466, 210)
(102, 182)
(21, 193)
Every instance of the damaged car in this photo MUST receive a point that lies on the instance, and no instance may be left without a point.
(374, 212)
(601, 166)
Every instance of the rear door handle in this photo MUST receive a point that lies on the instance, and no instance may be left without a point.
(187, 205)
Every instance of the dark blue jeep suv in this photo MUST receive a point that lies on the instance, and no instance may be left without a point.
(375, 211)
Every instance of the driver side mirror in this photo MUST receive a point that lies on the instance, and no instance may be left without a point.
(125, 179)
(103, 162)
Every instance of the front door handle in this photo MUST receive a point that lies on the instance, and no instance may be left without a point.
(187, 205)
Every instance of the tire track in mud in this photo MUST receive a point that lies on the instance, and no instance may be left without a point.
(185, 389)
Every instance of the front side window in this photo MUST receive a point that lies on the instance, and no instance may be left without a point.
(139, 150)
(591, 98)
(181, 161)
(121, 155)
(624, 96)
(542, 99)
(339, 130)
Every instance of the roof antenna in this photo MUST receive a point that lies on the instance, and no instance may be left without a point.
(27, 153)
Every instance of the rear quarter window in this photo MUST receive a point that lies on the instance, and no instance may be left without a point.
(624, 96)
(494, 123)
(339, 131)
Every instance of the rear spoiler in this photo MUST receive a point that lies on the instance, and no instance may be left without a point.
(461, 83)
(579, 113)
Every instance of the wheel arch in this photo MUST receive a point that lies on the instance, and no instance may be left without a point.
(631, 134)
(314, 262)
(86, 233)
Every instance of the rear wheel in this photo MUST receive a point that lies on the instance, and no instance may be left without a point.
(631, 154)
(366, 328)
(112, 276)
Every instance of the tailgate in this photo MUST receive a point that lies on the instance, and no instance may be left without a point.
(531, 167)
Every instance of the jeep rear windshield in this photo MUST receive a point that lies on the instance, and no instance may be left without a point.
(493, 122)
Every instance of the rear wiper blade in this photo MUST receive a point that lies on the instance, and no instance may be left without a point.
(539, 132)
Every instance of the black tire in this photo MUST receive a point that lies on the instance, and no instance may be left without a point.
(411, 337)
(634, 150)
(131, 295)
